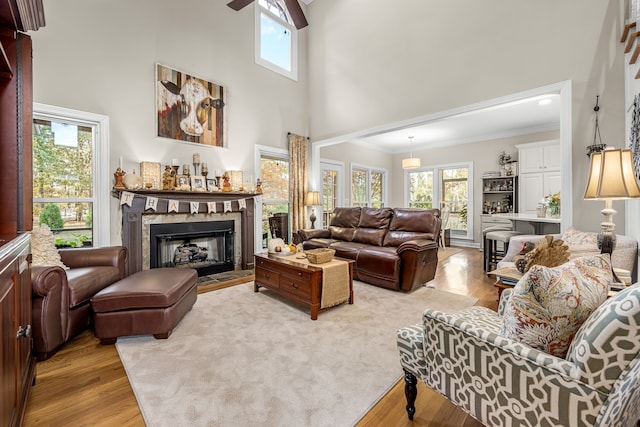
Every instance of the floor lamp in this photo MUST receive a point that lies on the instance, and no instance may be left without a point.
(611, 177)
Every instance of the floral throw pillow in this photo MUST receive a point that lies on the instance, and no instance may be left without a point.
(548, 305)
(581, 243)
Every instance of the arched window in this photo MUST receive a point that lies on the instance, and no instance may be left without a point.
(276, 43)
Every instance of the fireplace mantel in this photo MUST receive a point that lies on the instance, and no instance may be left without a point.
(132, 218)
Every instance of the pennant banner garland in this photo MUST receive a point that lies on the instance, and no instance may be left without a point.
(152, 203)
(126, 198)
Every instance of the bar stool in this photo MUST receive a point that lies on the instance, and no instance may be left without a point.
(491, 239)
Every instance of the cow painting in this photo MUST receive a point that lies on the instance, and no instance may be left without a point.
(189, 109)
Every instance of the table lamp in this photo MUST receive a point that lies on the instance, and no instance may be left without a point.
(313, 199)
(611, 177)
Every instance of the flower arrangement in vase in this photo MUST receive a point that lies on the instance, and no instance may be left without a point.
(553, 205)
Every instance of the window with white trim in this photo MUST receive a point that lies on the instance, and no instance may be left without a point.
(440, 186)
(70, 149)
(368, 187)
(276, 38)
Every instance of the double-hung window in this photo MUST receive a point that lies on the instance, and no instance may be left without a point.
(276, 44)
(70, 149)
(368, 186)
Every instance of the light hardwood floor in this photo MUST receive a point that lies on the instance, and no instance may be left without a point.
(85, 383)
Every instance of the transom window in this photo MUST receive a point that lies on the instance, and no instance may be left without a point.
(276, 43)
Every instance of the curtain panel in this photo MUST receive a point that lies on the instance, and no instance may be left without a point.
(298, 166)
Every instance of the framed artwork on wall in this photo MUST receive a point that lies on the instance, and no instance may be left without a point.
(189, 108)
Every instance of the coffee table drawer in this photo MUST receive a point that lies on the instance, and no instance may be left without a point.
(268, 277)
(296, 285)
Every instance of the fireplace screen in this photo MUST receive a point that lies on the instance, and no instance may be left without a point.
(207, 247)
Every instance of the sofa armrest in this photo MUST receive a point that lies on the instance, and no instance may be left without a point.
(416, 245)
(115, 256)
(309, 234)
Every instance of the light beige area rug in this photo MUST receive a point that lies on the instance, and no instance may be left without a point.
(240, 358)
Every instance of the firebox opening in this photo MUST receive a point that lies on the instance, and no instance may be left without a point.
(207, 247)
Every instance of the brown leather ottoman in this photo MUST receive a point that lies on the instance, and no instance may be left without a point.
(147, 302)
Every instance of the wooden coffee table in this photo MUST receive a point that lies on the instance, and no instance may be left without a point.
(293, 280)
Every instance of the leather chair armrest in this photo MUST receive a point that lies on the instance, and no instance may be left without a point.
(49, 309)
(47, 279)
(309, 234)
(115, 256)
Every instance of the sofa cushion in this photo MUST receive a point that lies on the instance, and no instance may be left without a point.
(345, 217)
(317, 243)
(412, 224)
(375, 218)
(369, 236)
(348, 250)
(43, 248)
(548, 305)
(342, 233)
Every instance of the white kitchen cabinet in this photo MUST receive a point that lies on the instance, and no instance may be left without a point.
(534, 186)
(539, 157)
(539, 173)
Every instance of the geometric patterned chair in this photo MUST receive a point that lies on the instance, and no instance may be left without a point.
(501, 382)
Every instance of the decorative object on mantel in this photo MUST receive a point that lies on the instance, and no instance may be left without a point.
(189, 108)
(132, 181)
(168, 178)
(235, 178)
(596, 146)
(226, 185)
(611, 177)
(183, 183)
(259, 186)
(150, 173)
(411, 162)
(196, 163)
(198, 183)
(118, 174)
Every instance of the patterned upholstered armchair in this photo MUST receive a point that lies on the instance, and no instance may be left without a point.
(502, 382)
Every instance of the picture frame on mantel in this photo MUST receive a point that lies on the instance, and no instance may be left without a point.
(189, 109)
(198, 183)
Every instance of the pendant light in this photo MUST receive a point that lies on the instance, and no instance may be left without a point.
(411, 162)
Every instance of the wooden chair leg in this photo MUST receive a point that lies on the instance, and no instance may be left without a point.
(410, 392)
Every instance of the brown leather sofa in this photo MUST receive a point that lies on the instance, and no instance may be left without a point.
(60, 298)
(392, 248)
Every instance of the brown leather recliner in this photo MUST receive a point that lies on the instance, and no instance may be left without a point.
(392, 248)
(60, 298)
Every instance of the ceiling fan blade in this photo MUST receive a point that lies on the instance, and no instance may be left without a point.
(238, 4)
(296, 13)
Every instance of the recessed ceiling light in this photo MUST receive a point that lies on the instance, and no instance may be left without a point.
(544, 101)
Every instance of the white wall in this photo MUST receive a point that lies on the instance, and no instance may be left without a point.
(372, 62)
(99, 56)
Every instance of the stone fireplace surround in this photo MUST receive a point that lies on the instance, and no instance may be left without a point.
(136, 221)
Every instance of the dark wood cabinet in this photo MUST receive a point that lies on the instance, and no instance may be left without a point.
(16, 114)
(17, 363)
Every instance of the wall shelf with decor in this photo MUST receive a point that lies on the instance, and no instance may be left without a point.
(499, 194)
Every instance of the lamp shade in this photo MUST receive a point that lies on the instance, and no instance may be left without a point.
(411, 163)
(313, 198)
(611, 176)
